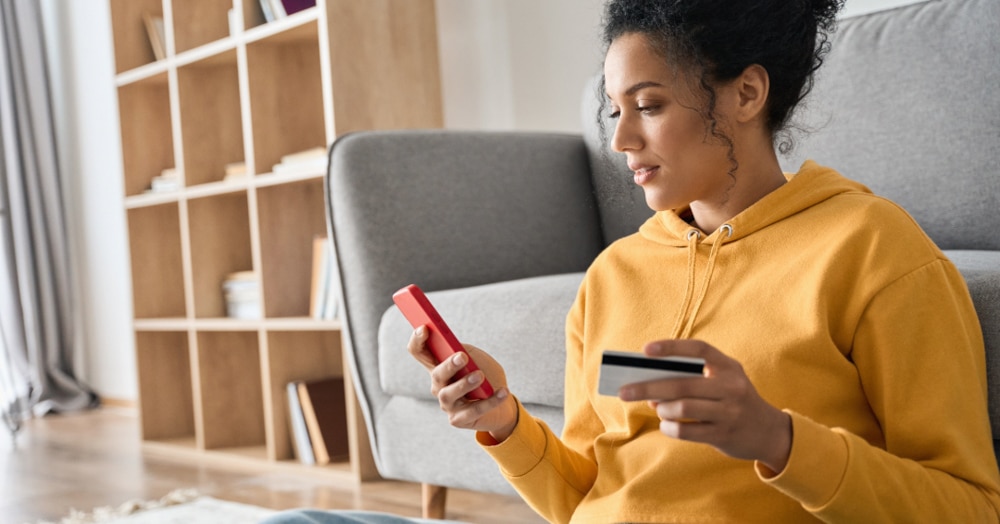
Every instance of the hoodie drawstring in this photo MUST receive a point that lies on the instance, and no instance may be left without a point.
(692, 238)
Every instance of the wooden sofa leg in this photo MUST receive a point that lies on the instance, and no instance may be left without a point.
(433, 500)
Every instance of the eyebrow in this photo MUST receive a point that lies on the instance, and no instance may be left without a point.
(639, 87)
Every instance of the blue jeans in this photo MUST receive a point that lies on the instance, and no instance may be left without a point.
(315, 516)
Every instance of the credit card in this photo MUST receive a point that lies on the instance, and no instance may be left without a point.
(619, 368)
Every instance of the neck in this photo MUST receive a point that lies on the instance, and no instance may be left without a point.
(756, 177)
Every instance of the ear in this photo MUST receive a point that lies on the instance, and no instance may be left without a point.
(752, 88)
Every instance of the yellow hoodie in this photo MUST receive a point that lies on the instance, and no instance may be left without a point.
(842, 312)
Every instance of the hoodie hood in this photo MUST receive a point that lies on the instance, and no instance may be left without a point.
(812, 185)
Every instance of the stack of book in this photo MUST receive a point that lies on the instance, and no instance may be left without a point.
(318, 414)
(242, 294)
(168, 180)
(323, 303)
(309, 162)
(235, 171)
(278, 9)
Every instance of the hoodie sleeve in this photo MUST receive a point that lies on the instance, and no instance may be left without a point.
(549, 476)
(922, 366)
(553, 475)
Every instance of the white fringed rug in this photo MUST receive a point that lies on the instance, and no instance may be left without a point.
(178, 507)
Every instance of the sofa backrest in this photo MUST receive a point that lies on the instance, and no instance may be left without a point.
(449, 209)
(908, 104)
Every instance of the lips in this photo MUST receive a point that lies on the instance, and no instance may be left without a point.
(641, 175)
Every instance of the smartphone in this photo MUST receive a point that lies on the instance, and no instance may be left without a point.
(441, 342)
(619, 368)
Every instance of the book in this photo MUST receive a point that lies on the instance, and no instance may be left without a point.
(154, 30)
(265, 7)
(323, 303)
(300, 432)
(320, 278)
(282, 8)
(325, 411)
(308, 154)
(160, 185)
(278, 9)
(315, 167)
(308, 162)
(168, 180)
(294, 6)
(331, 306)
(241, 291)
(235, 171)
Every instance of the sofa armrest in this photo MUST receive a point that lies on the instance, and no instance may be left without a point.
(450, 209)
(981, 270)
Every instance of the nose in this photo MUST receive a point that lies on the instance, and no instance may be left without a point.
(625, 137)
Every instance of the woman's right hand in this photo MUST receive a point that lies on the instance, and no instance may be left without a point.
(496, 415)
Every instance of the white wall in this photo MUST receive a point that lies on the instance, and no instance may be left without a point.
(506, 65)
(85, 99)
(522, 64)
(504, 62)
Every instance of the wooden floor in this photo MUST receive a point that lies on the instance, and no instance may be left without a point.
(87, 460)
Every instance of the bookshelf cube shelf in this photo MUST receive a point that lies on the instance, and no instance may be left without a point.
(230, 391)
(295, 355)
(157, 262)
(220, 245)
(147, 138)
(290, 216)
(132, 46)
(165, 392)
(206, 112)
(284, 114)
(199, 22)
(210, 117)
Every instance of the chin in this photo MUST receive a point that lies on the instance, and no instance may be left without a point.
(656, 202)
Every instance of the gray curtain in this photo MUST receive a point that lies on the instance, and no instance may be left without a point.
(40, 326)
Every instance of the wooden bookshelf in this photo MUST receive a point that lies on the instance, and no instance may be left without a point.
(253, 92)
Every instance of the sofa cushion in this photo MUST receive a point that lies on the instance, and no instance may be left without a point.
(906, 104)
(521, 323)
(417, 444)
(981, 270)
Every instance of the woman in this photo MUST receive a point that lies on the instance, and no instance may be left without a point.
(844, 370)
(845, 374)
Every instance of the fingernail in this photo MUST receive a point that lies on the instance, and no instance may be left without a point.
(502, 394)
(474, 378)
(458, 359)
(419, 331)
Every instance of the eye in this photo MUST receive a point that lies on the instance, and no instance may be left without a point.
(647, 109)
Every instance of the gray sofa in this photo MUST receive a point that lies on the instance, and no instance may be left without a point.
(498, 227)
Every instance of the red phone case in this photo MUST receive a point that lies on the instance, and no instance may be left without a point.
(417, 309)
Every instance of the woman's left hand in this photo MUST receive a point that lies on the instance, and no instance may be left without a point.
(722, 409)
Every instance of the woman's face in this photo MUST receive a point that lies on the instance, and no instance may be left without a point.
(669, 145)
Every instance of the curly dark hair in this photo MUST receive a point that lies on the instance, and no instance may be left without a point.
(716, 40)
